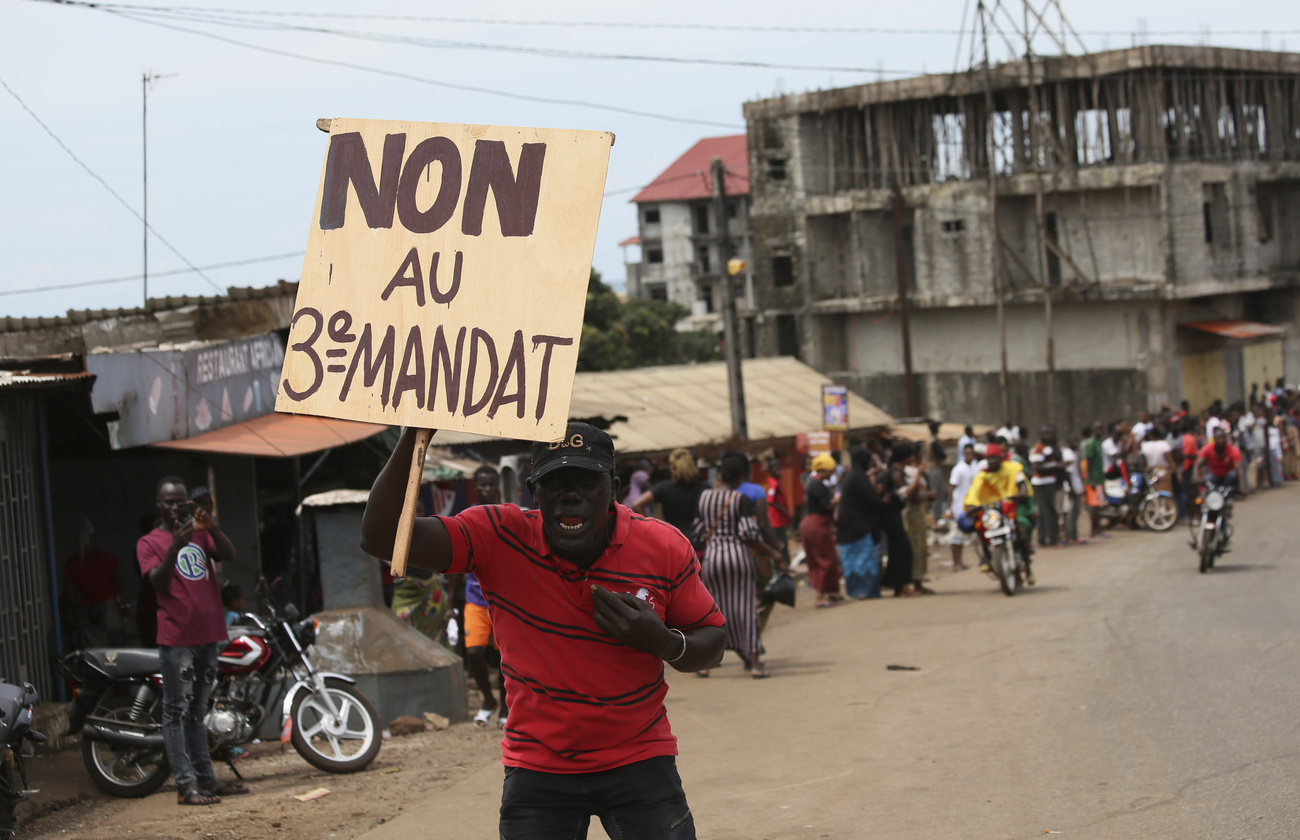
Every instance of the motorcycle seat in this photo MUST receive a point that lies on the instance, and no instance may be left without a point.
(234, 631)
(124, 662)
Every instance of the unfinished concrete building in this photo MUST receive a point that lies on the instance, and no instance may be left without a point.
(1145, 203)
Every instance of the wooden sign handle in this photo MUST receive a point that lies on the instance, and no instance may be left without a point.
(406, 524)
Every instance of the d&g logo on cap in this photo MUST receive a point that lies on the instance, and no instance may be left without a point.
(574, 442)
(191, 563)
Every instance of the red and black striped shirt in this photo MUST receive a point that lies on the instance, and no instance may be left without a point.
(580, 701)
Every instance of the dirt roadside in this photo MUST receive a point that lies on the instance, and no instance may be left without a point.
(407, 771)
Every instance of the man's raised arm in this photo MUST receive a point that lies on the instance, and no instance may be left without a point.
(430, 545)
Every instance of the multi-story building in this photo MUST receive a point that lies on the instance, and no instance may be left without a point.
(1151, 195)
(678, 231)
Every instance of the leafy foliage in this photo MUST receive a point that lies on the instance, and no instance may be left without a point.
(638, 333)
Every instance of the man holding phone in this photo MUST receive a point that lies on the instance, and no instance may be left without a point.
(179, 558)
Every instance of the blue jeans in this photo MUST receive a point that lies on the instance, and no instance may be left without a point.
(861, 566)
(189, 674)
(638, 801)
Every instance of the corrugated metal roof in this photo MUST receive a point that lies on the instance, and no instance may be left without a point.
(26, 379)
(1240, 330)
(162, 304)
(688, 405)
(691, 177)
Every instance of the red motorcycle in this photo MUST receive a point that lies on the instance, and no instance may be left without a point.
(1000, 543)
(117, 704)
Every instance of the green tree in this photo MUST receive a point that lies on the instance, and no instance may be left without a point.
(638, 333)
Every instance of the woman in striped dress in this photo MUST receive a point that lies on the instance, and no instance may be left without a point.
(726, 525)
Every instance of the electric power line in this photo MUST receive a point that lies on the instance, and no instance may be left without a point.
(85, 283)
(104, 183)
(429, 43)
(596, 24)
(398, 74)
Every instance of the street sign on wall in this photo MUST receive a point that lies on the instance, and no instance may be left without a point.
(175, 393)
(835, 408)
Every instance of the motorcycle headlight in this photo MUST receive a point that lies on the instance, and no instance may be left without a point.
(991, 519)
(1214, 500)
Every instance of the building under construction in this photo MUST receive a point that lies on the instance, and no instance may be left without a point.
(1144, 202)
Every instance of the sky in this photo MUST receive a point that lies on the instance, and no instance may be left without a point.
(235, 156)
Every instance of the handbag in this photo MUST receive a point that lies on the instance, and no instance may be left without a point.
(779, 589)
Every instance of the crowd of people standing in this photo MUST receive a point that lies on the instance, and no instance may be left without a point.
(867, 521)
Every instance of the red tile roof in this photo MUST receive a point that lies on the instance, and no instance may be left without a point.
(689, 176)
(631, 240)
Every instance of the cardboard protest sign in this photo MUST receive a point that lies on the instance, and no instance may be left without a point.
(445, 277)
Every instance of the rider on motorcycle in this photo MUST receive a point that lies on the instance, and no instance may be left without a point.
(1004, 478)
(1220, 458)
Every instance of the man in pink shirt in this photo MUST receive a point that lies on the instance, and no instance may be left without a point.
(178, 557)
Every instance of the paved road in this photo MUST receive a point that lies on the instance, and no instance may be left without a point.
(1126, 696)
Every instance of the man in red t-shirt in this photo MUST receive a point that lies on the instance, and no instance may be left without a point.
(778, 507)
(588, 601)
(1220, 458)
(178, 557)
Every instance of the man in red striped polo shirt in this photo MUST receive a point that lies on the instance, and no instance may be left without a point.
(588, 600)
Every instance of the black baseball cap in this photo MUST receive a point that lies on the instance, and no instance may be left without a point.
(583, 446)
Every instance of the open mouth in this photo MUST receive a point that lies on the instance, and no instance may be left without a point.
(572, 523)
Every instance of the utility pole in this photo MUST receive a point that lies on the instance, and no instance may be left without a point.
(904, 312)
(994, 236)
(146, 79)
(1038, 150)
(731, 331)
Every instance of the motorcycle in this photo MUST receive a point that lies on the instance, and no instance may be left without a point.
(1212, 530)
(118, 704)
(1134, 499)
(16, 704)
(1000, 543)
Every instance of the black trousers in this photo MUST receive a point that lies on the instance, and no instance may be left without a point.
(638, 801)
(1049, 523)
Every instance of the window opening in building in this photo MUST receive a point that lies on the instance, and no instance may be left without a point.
(654, 255)
(659, 292)
(750, 350)
(782, 271)
(706, 294)
(787, 336)
(652, 215)
(954, 226)
(701, 219)
(1215, 210)
(731, 210)
(705, 266)
(776, 169)
(1264, 213)
(1053, 261)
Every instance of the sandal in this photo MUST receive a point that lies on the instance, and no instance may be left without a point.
(220, 789)
(824, 604)
(193, 796)
(702, 674)
(760, 672)
(483, 717)
(501, 719)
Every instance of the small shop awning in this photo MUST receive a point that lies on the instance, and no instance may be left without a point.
(278, 436)
(1240, 330)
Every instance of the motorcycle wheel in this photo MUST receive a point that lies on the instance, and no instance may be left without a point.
(8, 794)
(346, 748)
(123, 771)
(1207, 553)
(1004, 565)
(1159, 513)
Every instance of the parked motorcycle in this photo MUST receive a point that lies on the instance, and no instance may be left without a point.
(16, 704)
(1212, 530)
(1133, 499)
(118, 704)
(1000, 543)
